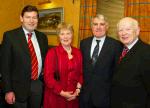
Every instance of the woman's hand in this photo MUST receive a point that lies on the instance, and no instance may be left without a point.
(76, 93)
(78, 88)
(68, 95)
(71, 98)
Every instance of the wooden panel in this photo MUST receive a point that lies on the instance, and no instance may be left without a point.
(114, 11)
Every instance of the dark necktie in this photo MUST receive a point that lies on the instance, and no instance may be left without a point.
(95, 53)
(34, 61)
(124, 52)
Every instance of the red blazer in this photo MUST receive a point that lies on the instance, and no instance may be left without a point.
(70, 72)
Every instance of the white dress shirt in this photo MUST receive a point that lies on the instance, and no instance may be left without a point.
(36, 48)
(94, 43)
(132, 44)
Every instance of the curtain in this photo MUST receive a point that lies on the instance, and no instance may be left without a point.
(87, 10)
(140, 10)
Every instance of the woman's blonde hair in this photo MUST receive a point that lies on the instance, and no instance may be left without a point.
(64, 25)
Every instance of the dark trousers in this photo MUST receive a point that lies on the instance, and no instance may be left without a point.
(88, 104)
(35, 99)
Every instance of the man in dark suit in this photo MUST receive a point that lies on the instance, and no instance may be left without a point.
(131, 79)
(22, 91)
(97, 71)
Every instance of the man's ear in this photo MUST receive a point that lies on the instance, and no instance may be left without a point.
(21, 18)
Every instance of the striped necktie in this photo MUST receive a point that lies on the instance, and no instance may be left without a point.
(34, 61)
(95, 53)
(124, 52)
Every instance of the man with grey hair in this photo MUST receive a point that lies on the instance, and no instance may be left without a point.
(131, 79)
(100, 54)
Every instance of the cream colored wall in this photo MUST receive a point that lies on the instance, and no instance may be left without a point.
(9, 15)
(10, 11)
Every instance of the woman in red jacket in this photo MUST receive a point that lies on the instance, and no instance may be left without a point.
(63, 72)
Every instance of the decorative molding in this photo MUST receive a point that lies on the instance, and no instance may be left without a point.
(138, 3)
(44, 2)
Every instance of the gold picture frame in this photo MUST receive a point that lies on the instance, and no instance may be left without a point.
(49, 19)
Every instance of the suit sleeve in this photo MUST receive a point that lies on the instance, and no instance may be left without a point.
(6, 62)
(81, 46)
(118, 50)
(46, 44)
(49, 69)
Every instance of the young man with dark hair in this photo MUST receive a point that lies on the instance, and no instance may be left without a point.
(23, 53)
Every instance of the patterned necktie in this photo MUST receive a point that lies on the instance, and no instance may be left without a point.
(124, 52)
(34, 61)
(95, 53)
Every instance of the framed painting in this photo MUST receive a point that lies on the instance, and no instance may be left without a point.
(49, 19)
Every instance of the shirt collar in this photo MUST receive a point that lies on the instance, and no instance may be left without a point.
(101, 38)
(132, 44)
(26, 31)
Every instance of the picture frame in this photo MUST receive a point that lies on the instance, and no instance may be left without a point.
(49, 19)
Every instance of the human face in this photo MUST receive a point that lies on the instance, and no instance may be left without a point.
(29, 20)
(65, 37)
(127, 33)
(99, 27)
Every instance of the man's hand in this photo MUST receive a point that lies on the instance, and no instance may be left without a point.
(10, 97)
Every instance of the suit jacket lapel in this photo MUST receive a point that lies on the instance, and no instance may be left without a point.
(89, 49)
(104, 50)
(23, 41)
(131, 52)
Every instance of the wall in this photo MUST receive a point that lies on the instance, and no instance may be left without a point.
(9, 15)
(114, 11)
(71, 15)
(10, 11)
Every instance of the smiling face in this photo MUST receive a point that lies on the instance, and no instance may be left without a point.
(29, 20)
(128, 30)
(99, 26)
(65, 36)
